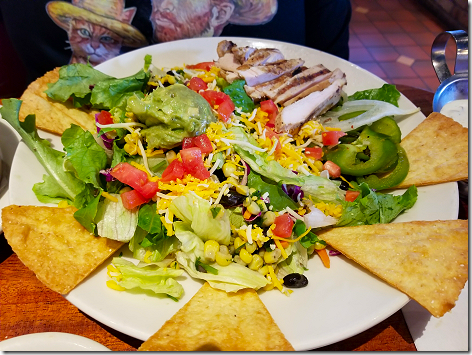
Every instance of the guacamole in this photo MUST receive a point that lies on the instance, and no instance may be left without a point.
(171, 114)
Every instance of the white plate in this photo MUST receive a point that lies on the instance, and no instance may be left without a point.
(51, 341)
(337, 303)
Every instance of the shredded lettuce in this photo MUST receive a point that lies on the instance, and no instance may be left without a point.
(195, 212)
(148, 277)
(318, 188)
(116, 222)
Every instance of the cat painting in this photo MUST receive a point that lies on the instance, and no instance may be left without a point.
(92, 43)
(97, 30)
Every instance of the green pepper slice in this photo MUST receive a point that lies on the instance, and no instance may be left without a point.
(389, 127)
(392, 179)
(381, 153)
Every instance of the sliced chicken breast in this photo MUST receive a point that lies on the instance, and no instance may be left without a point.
(264, 56)
(325, 81)
(309, 107)
(255, 75)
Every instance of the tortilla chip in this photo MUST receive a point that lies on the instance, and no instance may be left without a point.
(51, 243)
(437, 150)
(216, 320)
(53, 116)
(426, 260)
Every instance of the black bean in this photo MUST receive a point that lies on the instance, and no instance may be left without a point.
(295, 280)
(344, 185)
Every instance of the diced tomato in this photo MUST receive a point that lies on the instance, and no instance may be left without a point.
(352, 195)
(193, 163)
(137, 179)
(132, 199)
(104, 117)
(332, 137)
(271, 108)
(315, 152)
(203, 65)
(224, 102)
(270, 134)
(187, 142)
(225, 109)
(197, 84)
(333, 169)
(174, 170)
(203, 142)
(283, 226)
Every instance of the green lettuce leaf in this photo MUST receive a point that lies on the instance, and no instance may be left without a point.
(387, 93)
(60, 184)
(375, 207)
(88, 86)
(238, 95)
(76, 81)
(149, 277)
(278, 198)
(84, 154)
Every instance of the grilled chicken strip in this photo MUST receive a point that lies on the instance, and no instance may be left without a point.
(264, 56)
(255, 75)
(242, 54)
(309, 107)
(258, 92)
(298, 83)
(323, 82)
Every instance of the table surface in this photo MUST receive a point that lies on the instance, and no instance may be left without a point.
(27, 306)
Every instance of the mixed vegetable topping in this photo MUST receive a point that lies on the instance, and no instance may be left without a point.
(190, 171)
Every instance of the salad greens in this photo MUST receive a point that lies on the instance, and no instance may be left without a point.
(192, 186)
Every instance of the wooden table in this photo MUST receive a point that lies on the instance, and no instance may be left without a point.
(29, 307)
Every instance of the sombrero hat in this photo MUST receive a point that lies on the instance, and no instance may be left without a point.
(253, 12)
(105, 13)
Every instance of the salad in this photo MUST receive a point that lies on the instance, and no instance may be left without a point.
(189, 171)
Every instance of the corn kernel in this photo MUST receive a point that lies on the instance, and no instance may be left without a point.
(242, 189)
(251, 247)
(245, 256)
(254, 208)
(264, 270)
(223, 259)
(238, 242)
(224, 249)
(319, 246)
(256, 262)
(229, 169)
(318, 164)
(210, 248)
(272, 256)
(170, 156)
